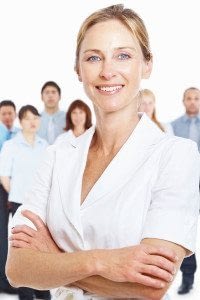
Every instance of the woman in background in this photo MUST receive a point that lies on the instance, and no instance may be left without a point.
(19, 160)
(148, 105)
(78, 120)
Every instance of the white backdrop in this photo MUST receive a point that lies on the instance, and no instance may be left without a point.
(37, 44)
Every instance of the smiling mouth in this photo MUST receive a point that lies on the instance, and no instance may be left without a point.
(109, 89)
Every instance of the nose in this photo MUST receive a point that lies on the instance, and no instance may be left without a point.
(107, 70)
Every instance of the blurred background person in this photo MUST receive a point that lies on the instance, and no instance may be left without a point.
(52, 119)
(148, 105)
(7, 131)
(78, 120)
(188, 126)
(19, 160)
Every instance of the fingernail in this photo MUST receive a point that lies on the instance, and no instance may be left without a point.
(174, 271)
(171, 278)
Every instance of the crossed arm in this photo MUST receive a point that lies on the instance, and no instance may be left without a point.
(144, 271)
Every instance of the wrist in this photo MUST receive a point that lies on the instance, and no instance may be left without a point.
(98, 262)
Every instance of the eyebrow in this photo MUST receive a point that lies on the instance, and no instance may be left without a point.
(118, 48)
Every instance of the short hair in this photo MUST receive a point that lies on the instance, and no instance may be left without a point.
(81, 105)
(53, 84)
(127, 17)
(192, 88)
(7, 103)
(24, 109)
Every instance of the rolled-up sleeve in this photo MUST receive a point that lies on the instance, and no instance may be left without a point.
(37, 198)
(174, 208)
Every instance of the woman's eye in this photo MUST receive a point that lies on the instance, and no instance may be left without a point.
(93, 58)
(123, 56)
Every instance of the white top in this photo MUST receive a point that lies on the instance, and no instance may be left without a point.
(149, 190)
(66, 136)
(19, 161)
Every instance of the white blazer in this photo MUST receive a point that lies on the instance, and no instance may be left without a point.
(149, 190)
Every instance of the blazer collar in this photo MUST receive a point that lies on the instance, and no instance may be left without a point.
(131, 156)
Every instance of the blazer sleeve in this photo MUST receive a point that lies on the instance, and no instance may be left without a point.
(174, 208)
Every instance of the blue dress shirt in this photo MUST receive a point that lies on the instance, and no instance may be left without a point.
(19, 161)
(181, 127)
(59, 121)
(6, 134)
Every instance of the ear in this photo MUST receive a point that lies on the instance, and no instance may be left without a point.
(78, 73)
(147, 68)
(79, 77)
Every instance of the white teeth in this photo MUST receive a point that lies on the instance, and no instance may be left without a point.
(109, 88)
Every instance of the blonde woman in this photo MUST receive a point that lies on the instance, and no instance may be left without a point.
(148, 105)
(111, 219)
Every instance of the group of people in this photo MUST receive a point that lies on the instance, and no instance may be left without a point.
(87, 208)
(21, 152)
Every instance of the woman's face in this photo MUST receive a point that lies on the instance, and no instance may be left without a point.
(147, 105)
(111, 66)
(30, 123)
(78, 117)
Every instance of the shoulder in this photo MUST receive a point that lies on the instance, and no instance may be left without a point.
(3, 128)
(180, 151)
(64, 137)
(177, 121)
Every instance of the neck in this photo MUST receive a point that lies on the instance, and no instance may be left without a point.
(191, 115)
(113, 129)
(51, 110)
(29, 137)
(78, 130)
(9, 127)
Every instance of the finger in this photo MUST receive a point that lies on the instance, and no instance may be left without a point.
(25, 229)
(160, 262)
(20, 237)
(149, 281)
(35, 219)
(154, 271)
(20, 244)
(165, 252)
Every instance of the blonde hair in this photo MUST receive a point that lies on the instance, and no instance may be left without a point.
(127, 17)
(149, 93)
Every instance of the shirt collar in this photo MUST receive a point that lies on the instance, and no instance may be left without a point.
(44, 113)
(20, 137)
(186, 118)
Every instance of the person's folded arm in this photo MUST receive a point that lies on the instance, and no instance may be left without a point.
(35, 250)
(107, 288)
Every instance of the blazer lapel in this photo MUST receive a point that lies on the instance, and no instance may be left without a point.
(131, 156)
(70, 164)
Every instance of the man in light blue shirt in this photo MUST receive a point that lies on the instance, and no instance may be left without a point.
(52, 119)
(3, 134)
(188, 126)
(7, 131)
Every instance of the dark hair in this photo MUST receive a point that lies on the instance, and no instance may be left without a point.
(24, 109)
(82, 105)
(192, 88)
(51, 83)
(8, 103)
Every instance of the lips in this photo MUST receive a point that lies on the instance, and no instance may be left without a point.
(111, 89)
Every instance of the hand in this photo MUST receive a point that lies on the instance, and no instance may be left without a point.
(25, 237)
(144, 264)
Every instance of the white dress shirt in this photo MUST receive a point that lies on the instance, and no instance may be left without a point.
(65, 137)
(149, 190)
